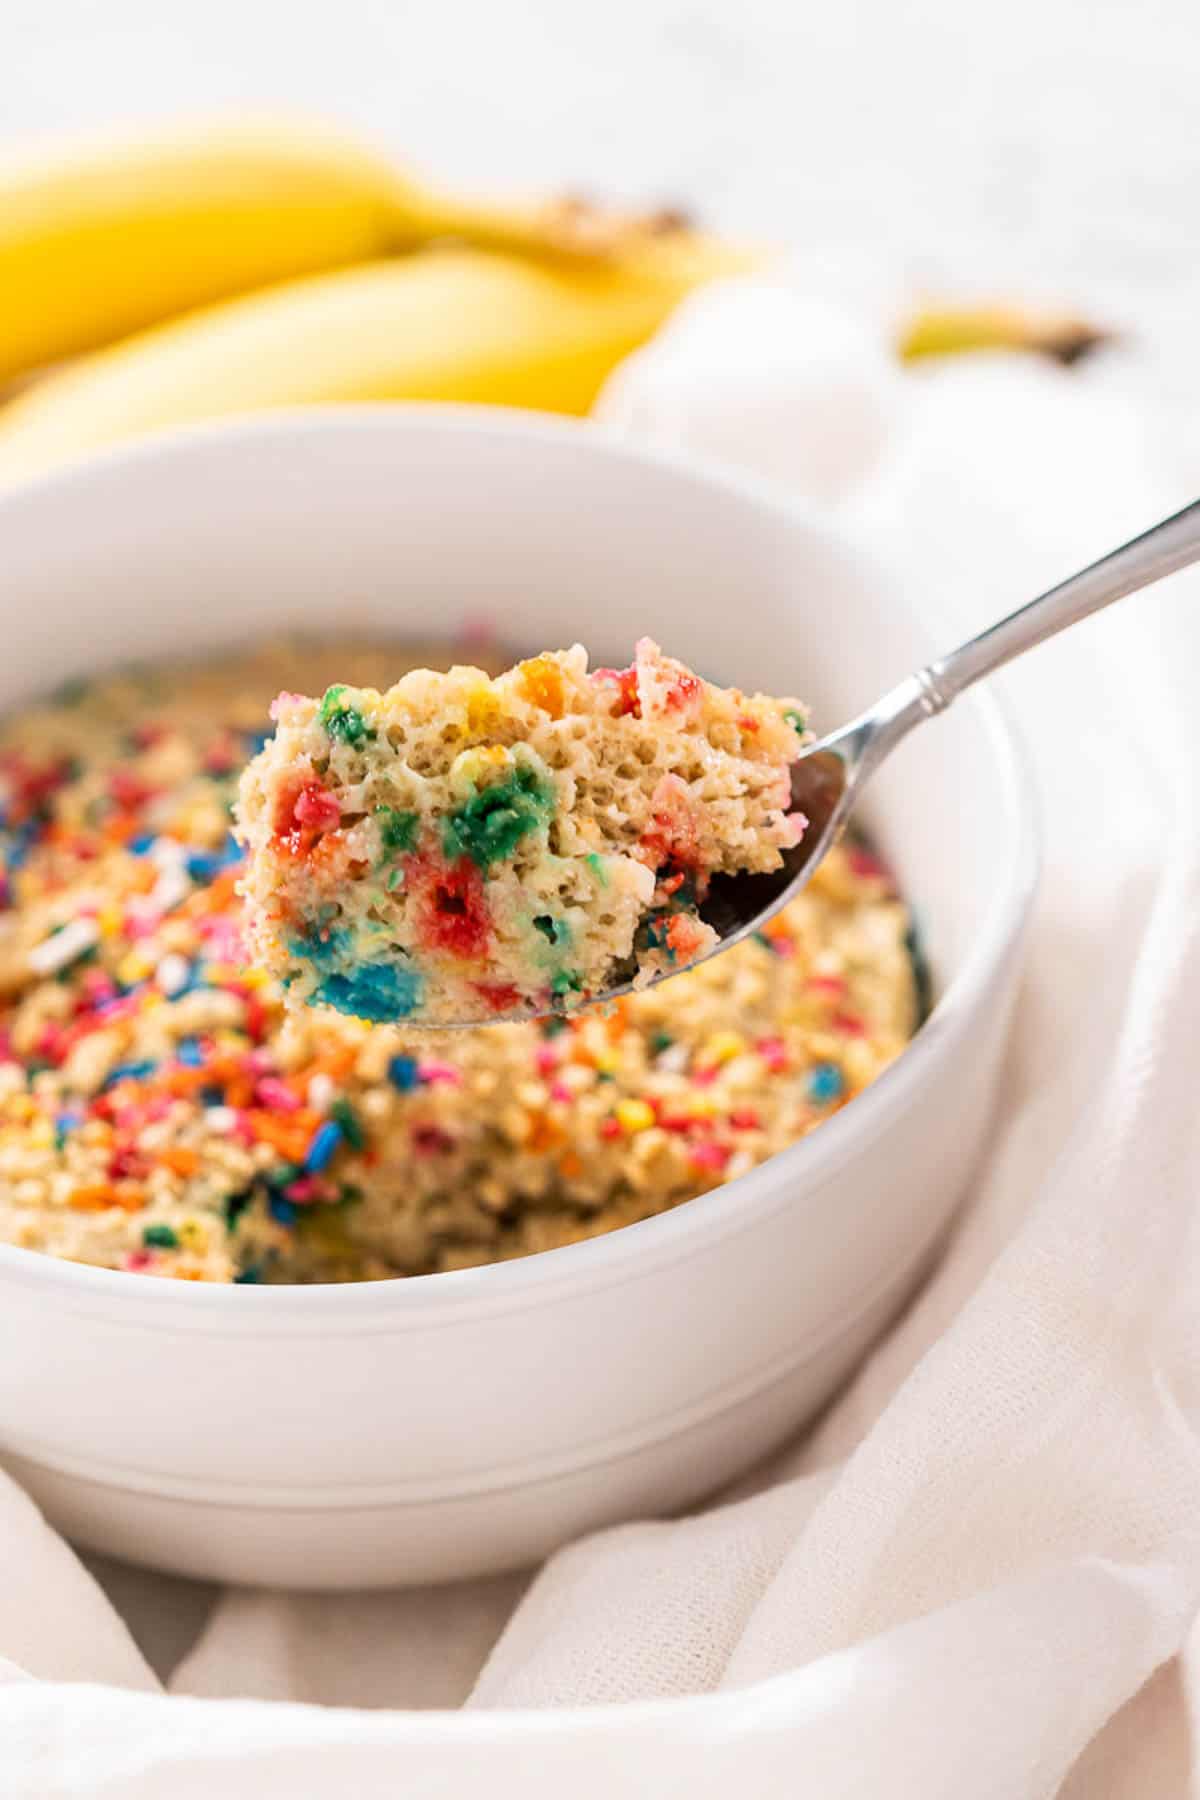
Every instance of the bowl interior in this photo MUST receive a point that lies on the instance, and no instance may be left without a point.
(419, 522)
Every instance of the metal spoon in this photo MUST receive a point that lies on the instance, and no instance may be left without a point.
(831, 774)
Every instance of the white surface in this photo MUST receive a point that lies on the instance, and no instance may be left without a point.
(460, 1424)
(980, 1574)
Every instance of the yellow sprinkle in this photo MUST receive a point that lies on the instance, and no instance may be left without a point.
(253, 978)
(109, 920)
(702, 1106)
(482, 708)
(133, 968)
(606, 1061)
(634, 1115)
(192, 1235)
(722, 1047)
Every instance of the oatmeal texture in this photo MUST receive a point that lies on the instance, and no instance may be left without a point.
(161, 1112)
(462, 847)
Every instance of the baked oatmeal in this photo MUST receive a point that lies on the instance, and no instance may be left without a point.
(160, 1111)
(462, 847)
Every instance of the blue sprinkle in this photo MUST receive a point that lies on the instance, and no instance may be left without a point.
(403, 1073)
(212, 1095)
(257, 740)
(250, 1274)
(281, 1210)
(189, 1053)
(380, 992)
(324, 952)
(825, 1083)
(130, 1071)
(320, 1152)
(140, 845)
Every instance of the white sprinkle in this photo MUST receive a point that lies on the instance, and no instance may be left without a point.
(220, 1119)
(171, 887)
(167, 853)
(674, 1059)
(54, 953)
(320, 1093)
(172, 972)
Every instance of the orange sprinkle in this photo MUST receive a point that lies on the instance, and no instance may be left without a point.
(544, 1134)
(180, 1159)
(289, 1135)
(542, 681)
(570, 1165)
(100, 1195)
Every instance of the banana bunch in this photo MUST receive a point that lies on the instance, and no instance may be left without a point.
(224, 270)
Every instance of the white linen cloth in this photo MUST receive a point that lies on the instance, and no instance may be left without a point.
(979, 1574)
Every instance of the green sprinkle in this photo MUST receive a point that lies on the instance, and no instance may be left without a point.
(567, 981)
(555, 931)
(796, 719)
(397, 830)
(348, 1194)
(660, 1041)
(394, 878)
(552, 1028)
(493, 821)
(342, 720)
(160, 1237)
(595, 863)
(284, 1174)
(250, 1274)
(343, 1114)
(235, 1206)
(70, 693)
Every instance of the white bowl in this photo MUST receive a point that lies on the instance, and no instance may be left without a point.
(452, 1424)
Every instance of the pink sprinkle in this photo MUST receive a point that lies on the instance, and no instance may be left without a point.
(774, 1053)
(275, 1096)
(706, 1076)
(545, 1059)
(610, 1128)
(799, 824)
(744, 1119)
(827, 984)
(863, 863)
(433, 1071)
(308, 1187)
(281, 703)
(243, 1129)
(138, 1259)
(850, 1023)
(709, 1156)
(560, 1091)
(317, 807)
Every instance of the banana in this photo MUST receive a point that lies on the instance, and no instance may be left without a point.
(102, 238)
(454, 324)
(947, 330)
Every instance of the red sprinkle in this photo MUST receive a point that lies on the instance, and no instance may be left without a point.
(453, 913)
(710, 1156)
(625, 680)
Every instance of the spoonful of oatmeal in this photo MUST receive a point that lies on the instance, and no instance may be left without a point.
(460, 850)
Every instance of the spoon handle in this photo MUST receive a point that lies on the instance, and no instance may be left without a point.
(1162, 550)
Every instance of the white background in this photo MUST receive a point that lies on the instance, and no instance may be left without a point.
(1047, 141)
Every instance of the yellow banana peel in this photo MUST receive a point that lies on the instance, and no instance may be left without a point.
(946, 330)
(448, 324)
(100, 238)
